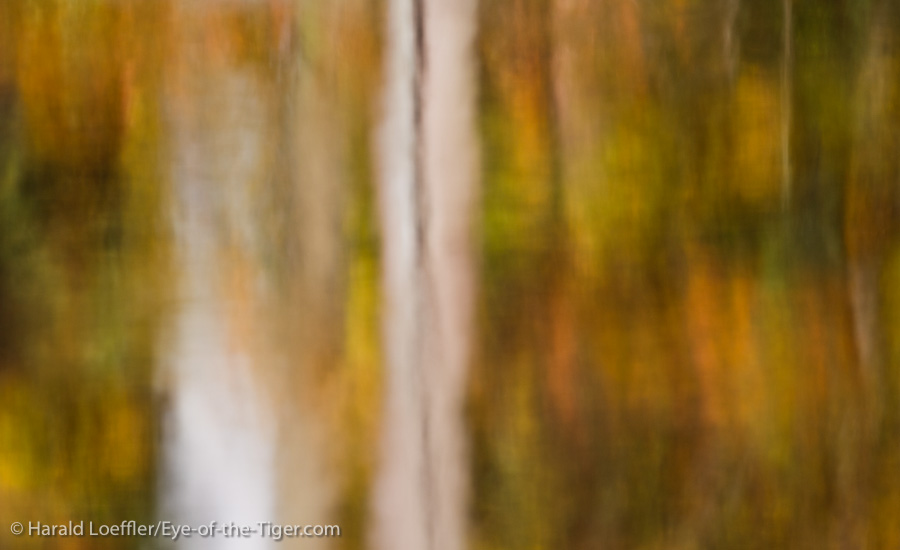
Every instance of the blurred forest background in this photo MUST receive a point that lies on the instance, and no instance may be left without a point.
(687, 239)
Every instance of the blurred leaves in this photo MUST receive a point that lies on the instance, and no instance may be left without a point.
(724, 351)
(671, 354)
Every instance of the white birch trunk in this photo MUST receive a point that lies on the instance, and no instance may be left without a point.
(219, 447)
(427, 182)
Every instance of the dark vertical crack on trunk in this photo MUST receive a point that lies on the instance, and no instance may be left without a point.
(421, 294)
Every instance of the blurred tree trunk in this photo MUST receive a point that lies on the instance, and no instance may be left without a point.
(787, 69)
(220, 440)
(871, 199)
(426, 192)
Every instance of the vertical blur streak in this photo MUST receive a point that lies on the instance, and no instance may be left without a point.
(450, 182)
(787, 68)
(427, 183)
(220, 441)
(399, 496)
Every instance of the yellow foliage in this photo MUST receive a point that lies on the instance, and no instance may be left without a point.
(757, 137)
(124, 440)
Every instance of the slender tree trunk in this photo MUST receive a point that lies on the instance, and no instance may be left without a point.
(787, 68)
(868, 211)
(450, 173)
(427, 164)
(399, 514)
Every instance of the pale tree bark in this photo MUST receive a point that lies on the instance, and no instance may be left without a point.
(426, 190)
(236, 447)
(450, 168)
(868, 204)
(220, 437)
